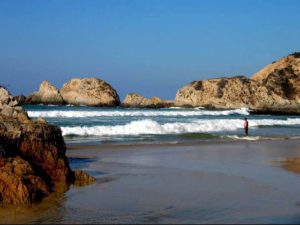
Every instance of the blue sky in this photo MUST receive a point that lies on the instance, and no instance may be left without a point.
(151, 47)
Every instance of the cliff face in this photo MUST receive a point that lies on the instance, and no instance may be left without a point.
(32, 155)
(276, 88)
(137, 101)
(90, 92)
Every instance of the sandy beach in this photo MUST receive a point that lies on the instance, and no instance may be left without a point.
(230, 182)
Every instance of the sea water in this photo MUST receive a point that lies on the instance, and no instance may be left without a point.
(95, 125)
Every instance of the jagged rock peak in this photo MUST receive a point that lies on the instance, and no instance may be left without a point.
(47, 94)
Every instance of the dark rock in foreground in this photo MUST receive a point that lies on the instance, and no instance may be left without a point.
(32, 155)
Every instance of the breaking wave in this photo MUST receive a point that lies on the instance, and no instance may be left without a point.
(146, 113)
(149, 126)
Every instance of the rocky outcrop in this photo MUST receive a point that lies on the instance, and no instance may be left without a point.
(32, 155)
(217, 93)
(90, 92)
(20, 99)
(10, 107)
(137, 101)
(275, 89)
(292, 61)
(40, 143)
(47, 94)
(19, 183)
(82, 178)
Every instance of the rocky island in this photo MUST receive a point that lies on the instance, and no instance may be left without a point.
(274, 89)
(134, 100)
(90, 92)
(32, 155)
(86, 91)
(47, 94)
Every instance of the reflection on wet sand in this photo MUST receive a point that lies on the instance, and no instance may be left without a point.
(291, 164)
(50, 209)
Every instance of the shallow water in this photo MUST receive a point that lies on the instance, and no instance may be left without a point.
(207, 183)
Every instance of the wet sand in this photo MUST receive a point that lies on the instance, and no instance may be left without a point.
(230, 182)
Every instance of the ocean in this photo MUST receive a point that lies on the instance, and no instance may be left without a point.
(98, 126)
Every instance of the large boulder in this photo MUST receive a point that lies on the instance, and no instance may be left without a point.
(47, 94)
(32, 155)
(41, 143)
(90, 92)
(137, 101)
(275, 89)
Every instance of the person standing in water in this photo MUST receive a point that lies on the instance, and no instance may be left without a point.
(246, 127)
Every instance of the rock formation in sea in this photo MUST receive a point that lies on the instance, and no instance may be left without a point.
(47, 94)
(274, 89)
(32, 155)
(90, 92)
(137, 101)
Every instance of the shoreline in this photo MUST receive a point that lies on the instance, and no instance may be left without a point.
(170, 144)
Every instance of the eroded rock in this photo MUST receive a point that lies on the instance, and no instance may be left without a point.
(82, 178)
(90, 92)
(220, 93)
(137, 101)
(47, 94)
(32, 155)
(276, 88)
(9, 106)
(19, 183)
(20, 99)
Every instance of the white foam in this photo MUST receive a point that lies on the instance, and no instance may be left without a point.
(145, 113)
(248, 138)
(149, 126)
